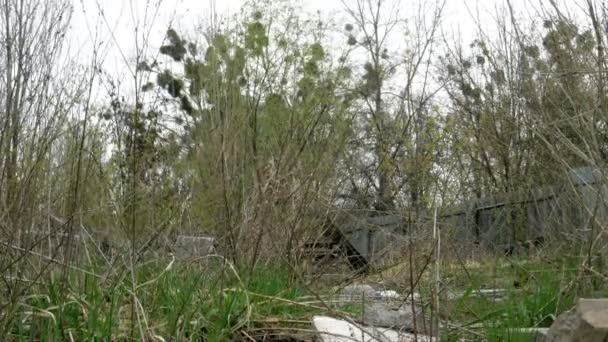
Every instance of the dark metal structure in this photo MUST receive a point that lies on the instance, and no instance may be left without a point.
(504, 222)
(511, 221)
(358, 237)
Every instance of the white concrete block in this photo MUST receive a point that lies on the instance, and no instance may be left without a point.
(336, 330)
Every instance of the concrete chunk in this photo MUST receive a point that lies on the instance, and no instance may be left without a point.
(591, 304)
(588, 322)
(336, 330)
(593, 326)
(396, 316)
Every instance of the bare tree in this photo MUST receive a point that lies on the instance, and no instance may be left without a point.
(395, 95)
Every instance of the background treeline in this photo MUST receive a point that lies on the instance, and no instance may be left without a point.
(251, 131)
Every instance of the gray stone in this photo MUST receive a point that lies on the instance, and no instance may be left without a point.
(588, 322)
(563, 327)
(540, 334)
(395, 316)
(336, 330)
(194, 246)
(591, 304)
(593, 326)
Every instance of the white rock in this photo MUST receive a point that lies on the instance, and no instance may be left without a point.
(388, 294)
(496, 294)
(336, 330)
(415, 296)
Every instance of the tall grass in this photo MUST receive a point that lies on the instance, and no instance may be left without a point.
(206, 300)
(212, 300)
(537, 292)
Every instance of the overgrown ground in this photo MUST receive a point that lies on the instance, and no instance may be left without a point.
(208, 300)
(212, 300)
(531, 291)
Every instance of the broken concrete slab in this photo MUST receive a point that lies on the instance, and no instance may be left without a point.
(591, 304)
(594, 326)
(563, 327)
(587, 322)
(336, 330)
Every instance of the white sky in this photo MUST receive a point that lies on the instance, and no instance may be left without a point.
(115, 28)
(121, 16)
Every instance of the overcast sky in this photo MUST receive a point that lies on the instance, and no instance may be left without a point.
(121, 16)
(114, 30)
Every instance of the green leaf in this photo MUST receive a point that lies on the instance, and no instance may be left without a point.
(256, 39)
(176, 48)
(317, 52)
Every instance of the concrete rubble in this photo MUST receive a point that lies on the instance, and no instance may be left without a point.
(336, 330)
(362, 292)
(395, 316)
(587, 322)
(388, 316)
(387, 309)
